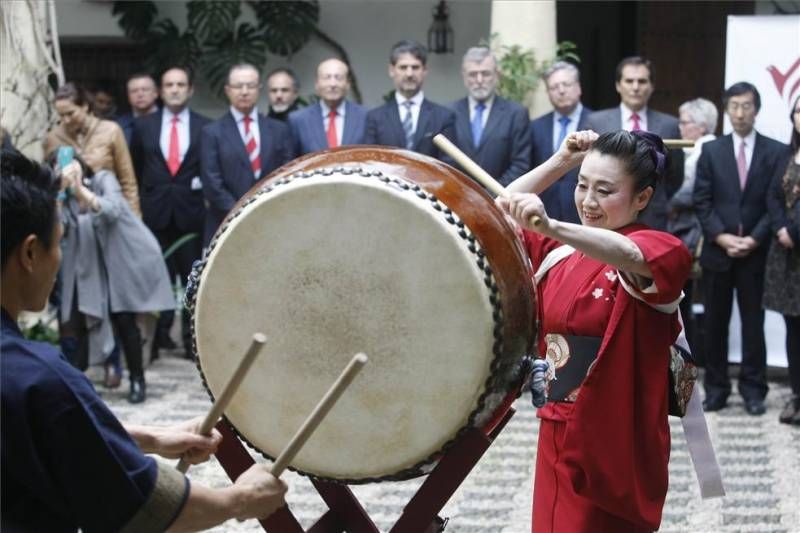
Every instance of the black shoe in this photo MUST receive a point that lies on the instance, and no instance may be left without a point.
(138, 392)
(790, 411)
(166, 342)
(755, 407)
(153, 351)
(714, 403)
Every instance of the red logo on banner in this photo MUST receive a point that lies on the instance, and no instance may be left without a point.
(787, 83)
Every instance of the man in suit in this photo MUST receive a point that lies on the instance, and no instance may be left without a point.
(165, 148)
(332, 121)
(142, 95)
(240, 148)
(489, 129)
(283, 88)
(563, 83)
(635, 85)
(409, 120)
(732, 178)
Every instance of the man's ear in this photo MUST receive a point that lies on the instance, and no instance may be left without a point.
(28, 253)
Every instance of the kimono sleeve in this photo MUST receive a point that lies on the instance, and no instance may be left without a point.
(669, 261)
(538, 246)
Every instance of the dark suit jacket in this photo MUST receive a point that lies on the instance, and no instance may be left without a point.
(310, 131)
(723, 207)
(559, 198)
(225, 167)
(126, 123)
(666, 127)
(384, 127)
(504, 150)
(166, 199)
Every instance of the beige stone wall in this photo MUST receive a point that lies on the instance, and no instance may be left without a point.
(530, 24)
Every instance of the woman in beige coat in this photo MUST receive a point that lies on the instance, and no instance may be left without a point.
(100, 143)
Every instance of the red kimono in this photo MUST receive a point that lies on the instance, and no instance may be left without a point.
(602, 461)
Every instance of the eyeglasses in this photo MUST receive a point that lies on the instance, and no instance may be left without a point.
(240, 86)
(475, 74)
(561, 85)
(686, 122)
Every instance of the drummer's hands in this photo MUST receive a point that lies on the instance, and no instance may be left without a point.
(511, 222)
(522, 207)
(179, 441)
(259, 493)
(576, 145)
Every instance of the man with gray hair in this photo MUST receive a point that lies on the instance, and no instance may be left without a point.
(563, 83)
(697, 122)
(489, 129)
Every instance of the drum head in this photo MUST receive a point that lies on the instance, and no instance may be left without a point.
(330, 264)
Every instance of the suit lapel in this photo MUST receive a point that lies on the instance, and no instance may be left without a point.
(347, 134)
(581, 120)
(495, 116)
(463, 127)
(396, 124)
(425, 112)
(729, 161)
(158, 123)
(318, 127)
(753, 173)
(264, 144)
(232, 132)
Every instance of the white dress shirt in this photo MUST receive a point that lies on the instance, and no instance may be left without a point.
(750, 143)
(339, 120)
(487, 108)
(239, 118)
(415, 109)
(627, 120)
(183, 132)
(572, 127)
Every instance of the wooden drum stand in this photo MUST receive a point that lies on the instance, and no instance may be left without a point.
(345, 513)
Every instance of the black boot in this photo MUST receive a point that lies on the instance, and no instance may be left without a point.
(791, 411)
(138, 392)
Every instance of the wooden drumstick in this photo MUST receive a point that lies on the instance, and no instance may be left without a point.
(222, 401)
(474, 170)
(318, 414)
(678, 143)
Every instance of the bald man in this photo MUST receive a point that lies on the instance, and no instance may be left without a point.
(333, 121)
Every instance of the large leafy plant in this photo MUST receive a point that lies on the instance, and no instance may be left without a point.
(214, 39)
(520, 71)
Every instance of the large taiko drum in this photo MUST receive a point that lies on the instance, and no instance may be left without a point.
(373, 250)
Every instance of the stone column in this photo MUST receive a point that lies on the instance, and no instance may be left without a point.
(530, 24)
(28, 56)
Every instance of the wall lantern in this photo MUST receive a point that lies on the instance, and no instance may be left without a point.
(440, 34)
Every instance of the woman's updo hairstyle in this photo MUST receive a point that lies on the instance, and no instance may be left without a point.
(642, 153)
(74, 93)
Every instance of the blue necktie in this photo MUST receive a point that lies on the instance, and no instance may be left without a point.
(562, 133)
(477, 124)
(408, 124)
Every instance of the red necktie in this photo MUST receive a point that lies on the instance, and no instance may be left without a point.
(333, 141)
(741, 165)
(636, 125)
(252, 147)
(174, 154)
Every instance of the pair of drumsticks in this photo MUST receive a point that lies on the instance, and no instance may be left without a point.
(309, 426)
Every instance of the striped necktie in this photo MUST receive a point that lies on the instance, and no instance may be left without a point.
(251, 146)
(408, 124)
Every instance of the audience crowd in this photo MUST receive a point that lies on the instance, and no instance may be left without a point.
(171, 175)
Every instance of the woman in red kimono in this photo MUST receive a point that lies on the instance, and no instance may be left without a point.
(607, 309)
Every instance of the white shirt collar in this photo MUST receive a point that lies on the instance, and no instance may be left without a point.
(417, 99)
(573, 117)
(627, 112)
(750, 139)
(340, 110)
(238, 116)
(183, 116)
(486, 103)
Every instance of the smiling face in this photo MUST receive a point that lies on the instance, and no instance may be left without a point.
(605, 195)
(408, 74)
(72, 116)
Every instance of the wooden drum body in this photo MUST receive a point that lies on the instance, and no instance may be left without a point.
(371, 250)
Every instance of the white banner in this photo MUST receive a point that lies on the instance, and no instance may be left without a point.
(765, 51)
